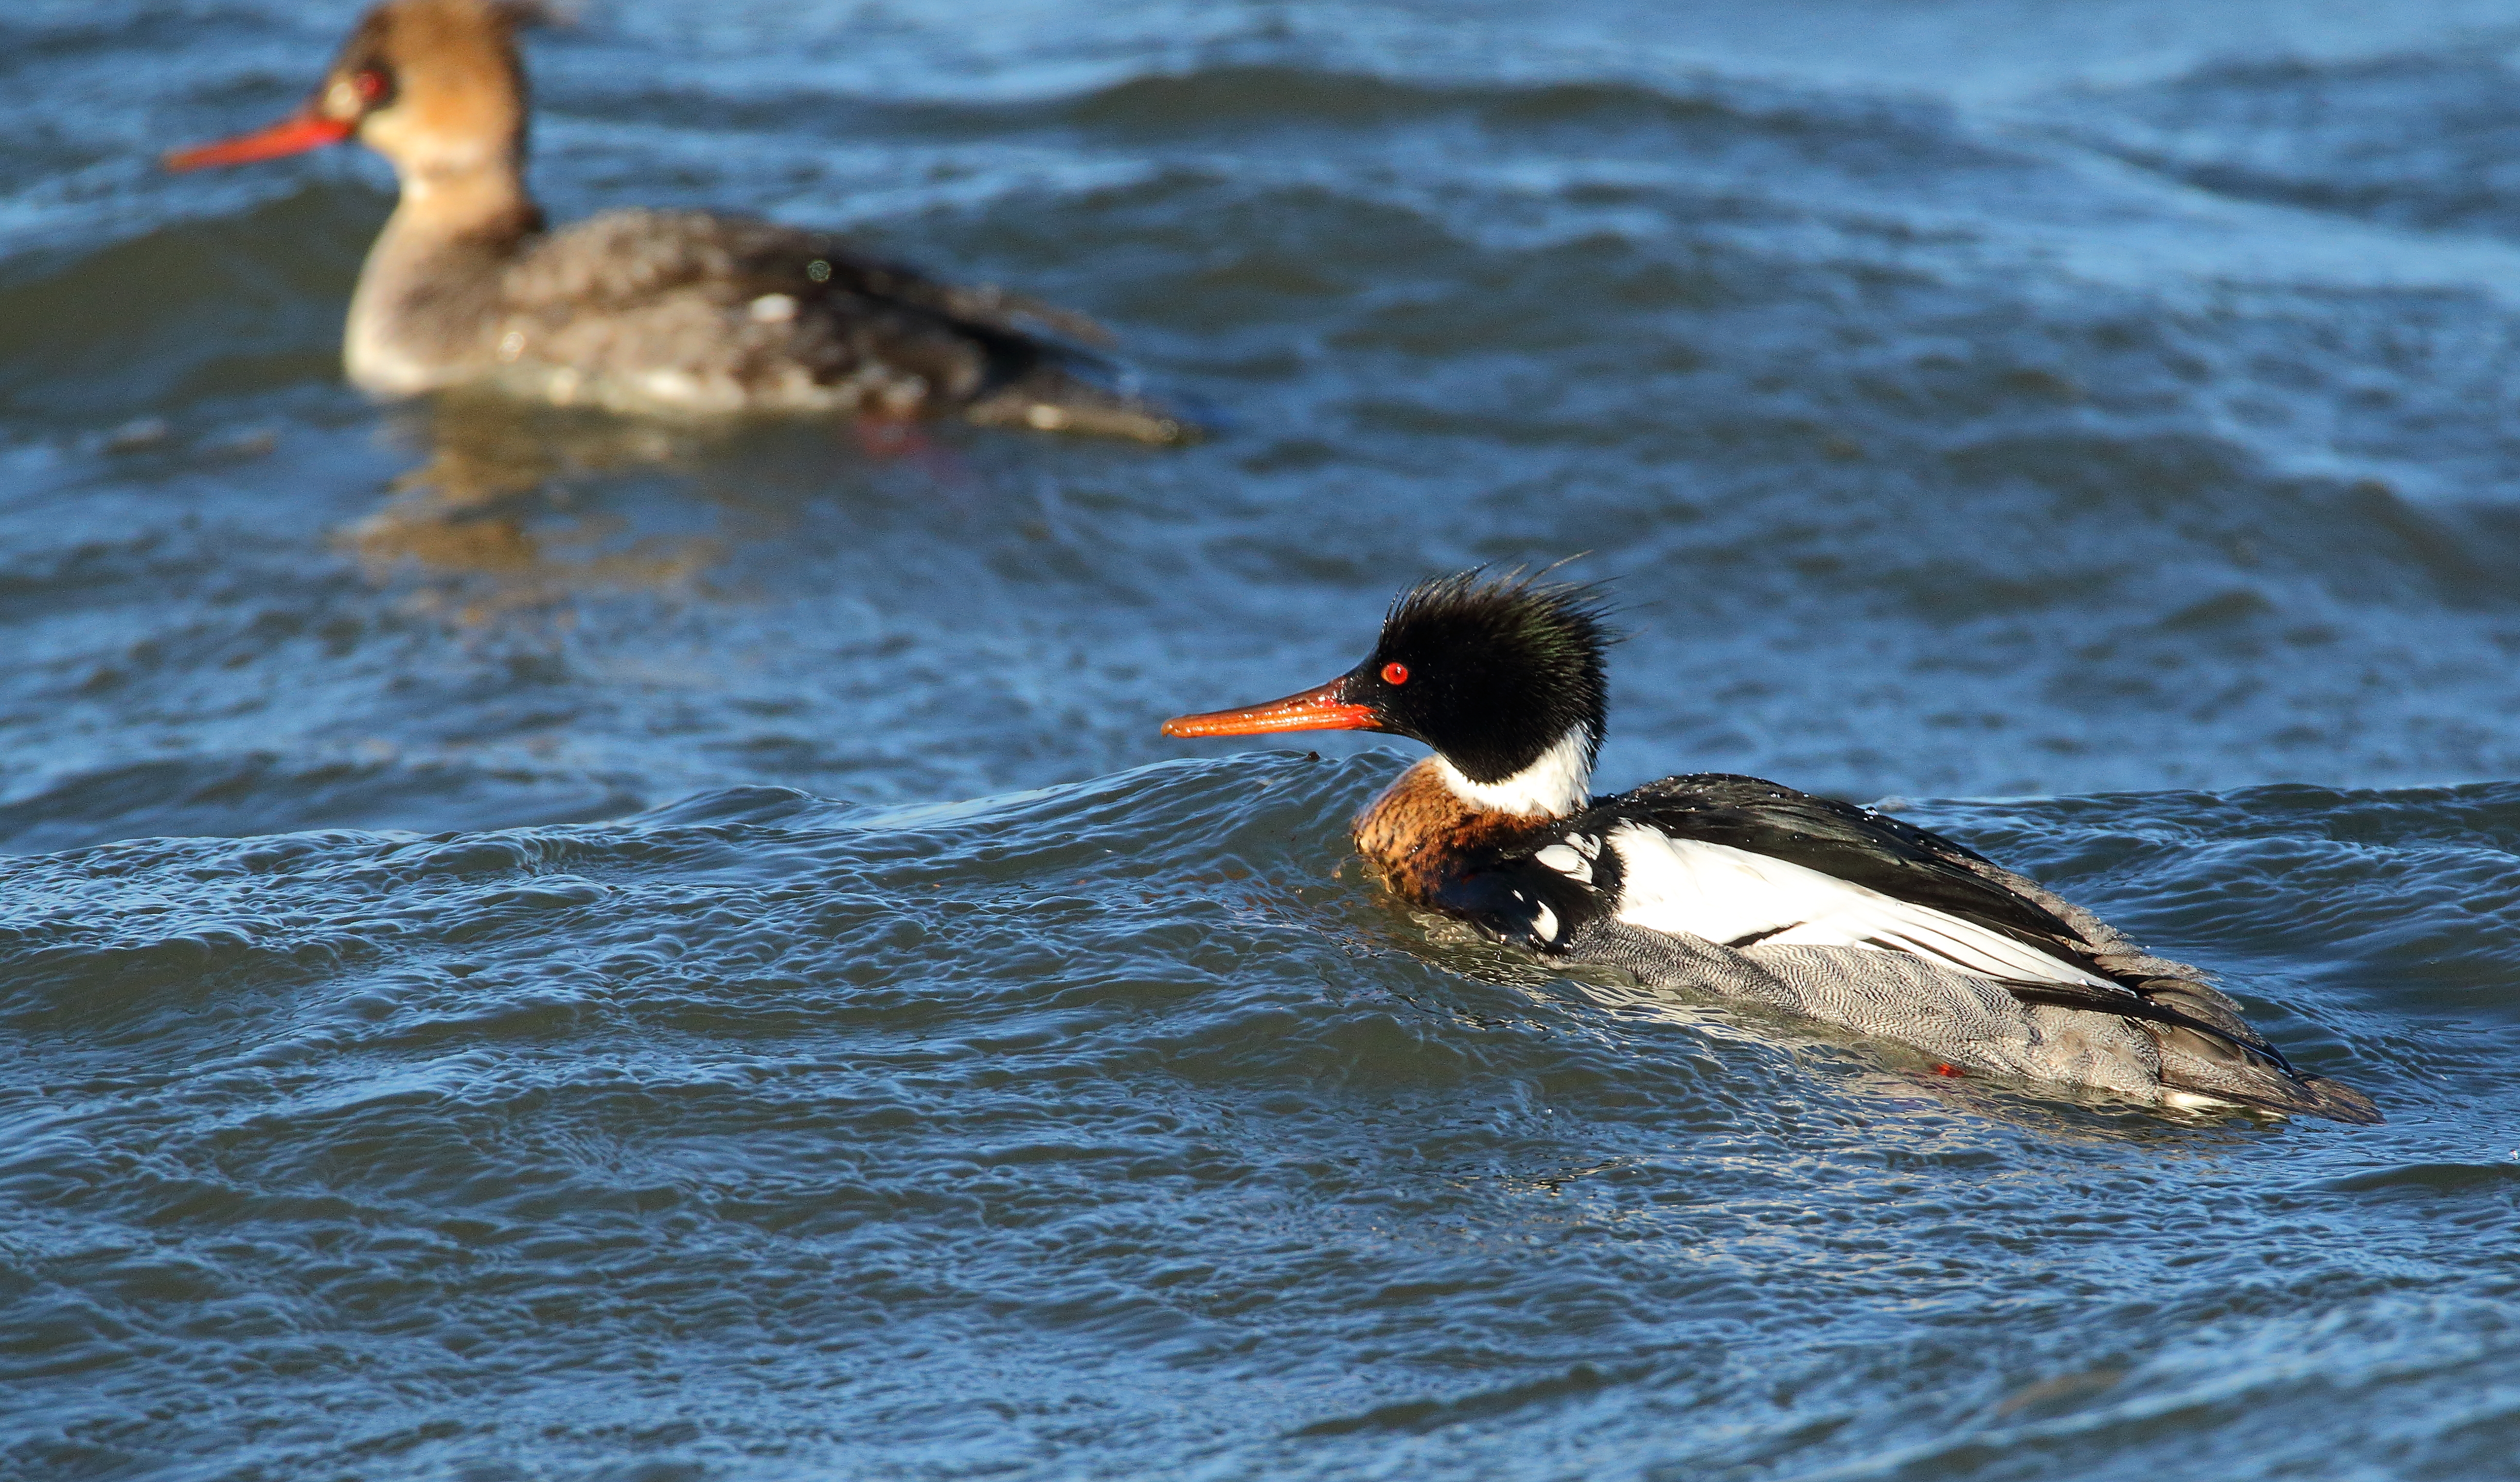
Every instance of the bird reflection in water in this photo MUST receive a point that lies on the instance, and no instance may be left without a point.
(505, 515)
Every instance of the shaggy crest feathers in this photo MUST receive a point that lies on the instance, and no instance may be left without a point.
(1500, 668)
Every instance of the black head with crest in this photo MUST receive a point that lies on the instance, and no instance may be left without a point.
(1491, 672)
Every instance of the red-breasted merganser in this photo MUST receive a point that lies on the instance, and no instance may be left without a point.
(1741, 886)
(638, 310)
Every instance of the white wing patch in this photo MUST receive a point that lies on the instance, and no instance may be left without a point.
(1726, 895)
(1563, 858)
(1544, 921)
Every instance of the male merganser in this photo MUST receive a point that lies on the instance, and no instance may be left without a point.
(641, 310)
(1740, 886)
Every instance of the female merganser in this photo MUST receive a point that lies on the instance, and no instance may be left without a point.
(1740, 886)
(640, 310)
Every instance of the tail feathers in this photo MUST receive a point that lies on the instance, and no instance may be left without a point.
(2207, 1050)
(2212, 1065)
(1055, 399)
(2342, 1102)
(2225, 1058)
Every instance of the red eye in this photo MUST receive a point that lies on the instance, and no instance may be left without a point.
(371, 84)
(1395, 674)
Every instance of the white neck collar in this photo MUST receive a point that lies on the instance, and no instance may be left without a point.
(1556, 786)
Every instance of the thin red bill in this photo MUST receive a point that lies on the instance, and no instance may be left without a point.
(293, 135)
(1322, 709)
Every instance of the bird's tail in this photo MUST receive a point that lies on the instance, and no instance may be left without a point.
(2215, 1054)
(1061, 398)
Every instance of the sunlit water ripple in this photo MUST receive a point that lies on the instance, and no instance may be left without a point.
(528, 955)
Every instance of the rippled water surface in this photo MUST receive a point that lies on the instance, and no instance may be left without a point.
(539, 947)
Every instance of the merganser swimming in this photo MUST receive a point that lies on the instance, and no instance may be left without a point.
(1740, 886)
(640, 310)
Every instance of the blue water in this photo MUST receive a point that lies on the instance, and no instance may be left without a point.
(538, 947)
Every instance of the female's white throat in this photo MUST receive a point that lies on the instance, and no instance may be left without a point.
(1555, 785)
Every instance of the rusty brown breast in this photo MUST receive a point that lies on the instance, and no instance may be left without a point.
(1420, 833)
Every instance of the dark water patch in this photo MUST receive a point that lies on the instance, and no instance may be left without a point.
(208, 796)
(1707, 115)
(194, 310)
(1234, 101)
(2436, 1180)
(2421, 141)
